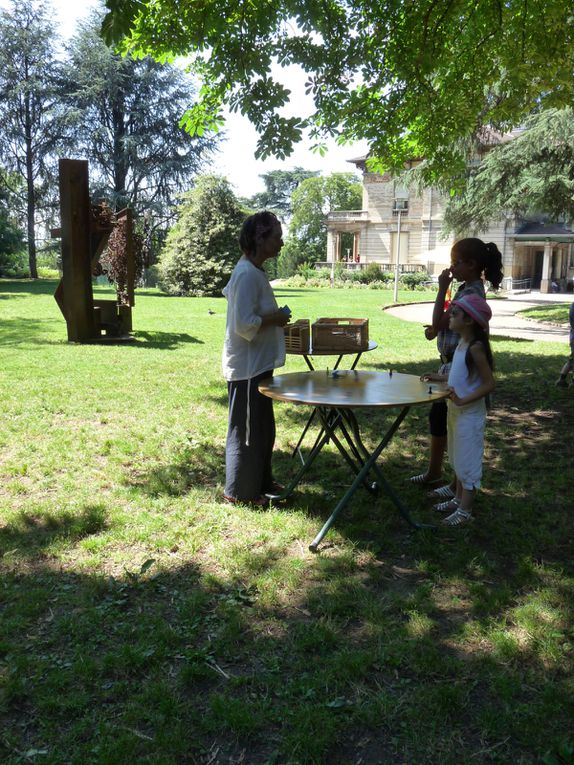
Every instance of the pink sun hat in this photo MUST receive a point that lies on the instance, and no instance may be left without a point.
(476, 307)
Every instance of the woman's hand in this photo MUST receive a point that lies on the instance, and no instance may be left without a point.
(276, 319)
(430, 332)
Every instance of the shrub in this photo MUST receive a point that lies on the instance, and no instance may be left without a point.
(415, 280)
(14, 265)
(201, 248)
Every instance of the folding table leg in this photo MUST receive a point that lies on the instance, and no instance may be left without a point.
(361, 476)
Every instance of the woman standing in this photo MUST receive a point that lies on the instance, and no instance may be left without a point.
(254, 347)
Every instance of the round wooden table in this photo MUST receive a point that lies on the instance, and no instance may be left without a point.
(335, 395)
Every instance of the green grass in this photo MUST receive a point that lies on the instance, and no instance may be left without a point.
(143, 621)
(557, 313)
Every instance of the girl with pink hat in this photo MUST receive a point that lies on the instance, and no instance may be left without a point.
(470, 380)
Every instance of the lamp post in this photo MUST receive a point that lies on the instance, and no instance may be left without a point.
(396, 291)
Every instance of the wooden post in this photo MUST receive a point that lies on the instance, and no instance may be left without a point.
(76, 262)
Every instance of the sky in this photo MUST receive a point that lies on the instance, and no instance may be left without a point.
(236, 158)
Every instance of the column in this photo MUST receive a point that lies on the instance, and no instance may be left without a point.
(546, 281)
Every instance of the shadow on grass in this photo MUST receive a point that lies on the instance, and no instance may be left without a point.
(23, 329)
(29, 533)
(195, 465)
(163, 340)
(25, 287)
(363, 662)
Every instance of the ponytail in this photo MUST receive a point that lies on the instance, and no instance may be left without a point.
(493, 265)
(487, 257)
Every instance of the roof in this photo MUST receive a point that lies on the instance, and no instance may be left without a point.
(541, 230)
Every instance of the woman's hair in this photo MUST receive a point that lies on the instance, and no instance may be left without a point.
(255, 228)
(487, 256)
(480, 336)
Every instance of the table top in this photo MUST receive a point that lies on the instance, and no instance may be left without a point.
(334, 352)
(352, 389)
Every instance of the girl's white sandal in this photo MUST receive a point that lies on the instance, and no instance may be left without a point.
(442, 492)
(460, 517)
(447, 506)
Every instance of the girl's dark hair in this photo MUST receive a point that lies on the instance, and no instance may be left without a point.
(254, 228)
(480, 336)
(487, 256)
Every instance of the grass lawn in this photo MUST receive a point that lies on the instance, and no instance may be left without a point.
(143, 621)
(557, 313)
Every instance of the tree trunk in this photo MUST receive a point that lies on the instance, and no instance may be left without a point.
(119, 158)
(31, 201)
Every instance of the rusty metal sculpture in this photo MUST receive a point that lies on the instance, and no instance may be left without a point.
(83, 240)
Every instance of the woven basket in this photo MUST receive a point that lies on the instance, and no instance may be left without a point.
(297, 336)
(340, 334)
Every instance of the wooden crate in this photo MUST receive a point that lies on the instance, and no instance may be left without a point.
(297, 336)
(340, 334)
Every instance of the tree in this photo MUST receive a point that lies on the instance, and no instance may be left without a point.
(11, 237)
(201, 248)
(126, 115)
(531, 174)
(413, 79)
(30, 108)
(279, 188)
(313, 199)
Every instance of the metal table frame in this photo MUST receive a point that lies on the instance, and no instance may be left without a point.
(307, 356)
(339, 425)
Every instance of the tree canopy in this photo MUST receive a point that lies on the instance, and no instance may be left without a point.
(279, 188)
(313, 199)
(413, 79)
(531, 174)
(125, 113)
(31, 112)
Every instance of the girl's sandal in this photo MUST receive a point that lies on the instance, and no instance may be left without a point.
(460, 517)
(448, 506)
(421, 480)
(442, 492)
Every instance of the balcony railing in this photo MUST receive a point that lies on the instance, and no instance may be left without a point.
(348, 215)
(404, 268)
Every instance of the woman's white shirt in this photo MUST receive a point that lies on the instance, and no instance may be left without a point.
(249, 350)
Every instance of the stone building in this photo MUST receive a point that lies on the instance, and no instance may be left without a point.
(397, 223)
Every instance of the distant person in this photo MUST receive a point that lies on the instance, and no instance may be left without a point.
(471, 259)
(562, 382)
(470, 380)
(254, 347)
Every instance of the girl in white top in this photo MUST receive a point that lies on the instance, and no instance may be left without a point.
(254, 346)
(470, 381)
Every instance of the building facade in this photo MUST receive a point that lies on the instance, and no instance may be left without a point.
(397, 224)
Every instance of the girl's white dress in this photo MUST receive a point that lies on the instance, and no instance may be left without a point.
(465, 423)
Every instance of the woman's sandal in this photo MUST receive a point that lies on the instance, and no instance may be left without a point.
(448, 506)
(442, 492)
(274, 489)
(460, 517)
(421, 480)
(259, 502)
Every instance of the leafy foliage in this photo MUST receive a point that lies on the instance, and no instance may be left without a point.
(11, 237)
(31, 111)
(313, 199)
(279, 188)
(201, 248)
(413, 79)
(125, 114)
(531, 174)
